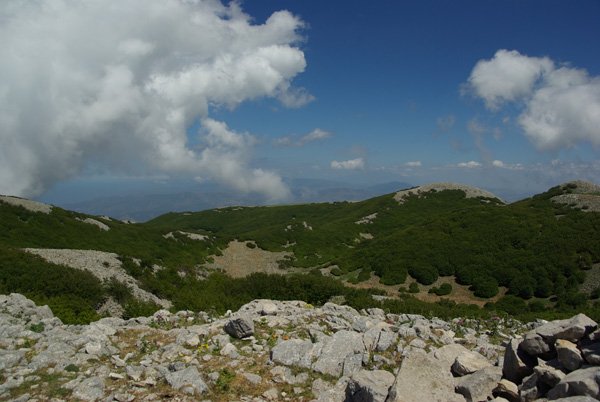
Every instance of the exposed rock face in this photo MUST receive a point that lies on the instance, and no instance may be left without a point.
(470, 192)
(27, 204)
(365, 356)
(530, 363)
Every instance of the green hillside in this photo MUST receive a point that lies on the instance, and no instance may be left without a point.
(534, 247)
(539, 251)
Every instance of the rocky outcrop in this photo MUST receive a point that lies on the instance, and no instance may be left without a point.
(289, 350)
(470, 191)
(556, 360)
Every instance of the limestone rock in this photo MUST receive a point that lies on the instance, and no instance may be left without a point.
(517, 363)
(507, 389)
(479, 385)
(591, 353)
(469, 362)
(422, 378)
(541, 339)
(582, 382)
(90, 389)
(550, 373)
(293, 352)
(239, 327)
(568, 354)
(341, 345)
(367, 385)
(188, 380)
(447, 354)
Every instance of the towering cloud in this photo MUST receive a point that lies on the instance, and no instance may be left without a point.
(96, 86)
(561, 105)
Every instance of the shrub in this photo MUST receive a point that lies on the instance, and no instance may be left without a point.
(336, 271)
(443, 290)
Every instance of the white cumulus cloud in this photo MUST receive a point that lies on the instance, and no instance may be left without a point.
(102, 86)
(561, 105)
(293, 141)
(471, 164)
(413, 164)
(353, 164)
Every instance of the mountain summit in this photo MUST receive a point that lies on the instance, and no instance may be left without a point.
(470, 191)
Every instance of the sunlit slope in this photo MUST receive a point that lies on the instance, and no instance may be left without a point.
(53, 227)
(533, 247)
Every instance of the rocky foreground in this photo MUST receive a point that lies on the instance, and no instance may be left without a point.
(291, 351)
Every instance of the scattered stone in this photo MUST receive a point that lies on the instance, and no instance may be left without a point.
(90, 389)
(188, 380)
(252, 378)
(350, 347)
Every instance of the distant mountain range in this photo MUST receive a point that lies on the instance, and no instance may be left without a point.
(143, 207)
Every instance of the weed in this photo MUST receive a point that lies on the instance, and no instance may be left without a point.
(71, 368)
(37, 328)
(225, 379)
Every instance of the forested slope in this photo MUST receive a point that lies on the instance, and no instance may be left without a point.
(538, 249)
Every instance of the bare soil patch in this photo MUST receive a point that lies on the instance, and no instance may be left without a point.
(460, 293)
(239, 260)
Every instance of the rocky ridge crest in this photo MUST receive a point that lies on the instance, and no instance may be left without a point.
(292, 351)
(470, 191)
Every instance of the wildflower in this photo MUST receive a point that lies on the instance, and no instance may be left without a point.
(175, 325)
(286, 338)
(274, 335)
(460, 321)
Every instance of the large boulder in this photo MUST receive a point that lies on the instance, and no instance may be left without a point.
(239, 327)
(479, 385)
(582, 382)
(469, 362)
(568, 354)
(447, 354)
(518, 364)
(293, 352)
(541, 340)
(341, 345)
(372, 386)
(422, 377)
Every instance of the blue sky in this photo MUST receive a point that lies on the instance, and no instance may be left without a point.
(500, 95)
